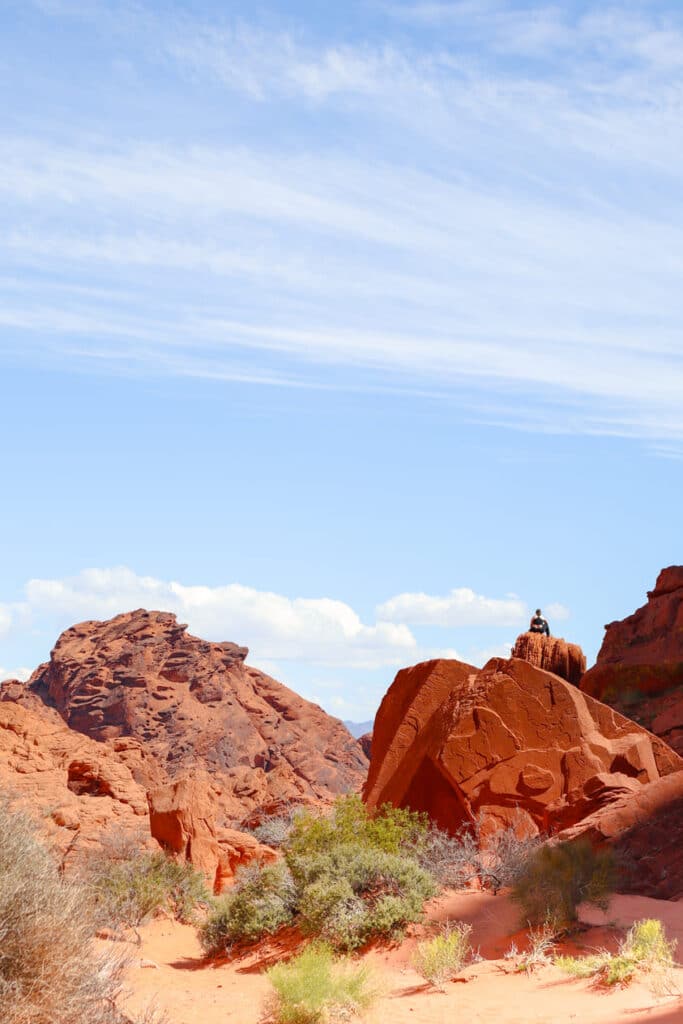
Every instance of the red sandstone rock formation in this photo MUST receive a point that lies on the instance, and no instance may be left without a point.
(510, 743)
(366, 743)
(141, 681)
(553, 654)
(182, 819)
(75, 789)
(639, 669)
(645, 828)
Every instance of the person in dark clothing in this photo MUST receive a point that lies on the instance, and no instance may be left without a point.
(538, 624)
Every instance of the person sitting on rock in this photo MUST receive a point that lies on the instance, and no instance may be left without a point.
(538, 624)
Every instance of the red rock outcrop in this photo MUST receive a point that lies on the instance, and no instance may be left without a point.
(645, 829)
(182, 818)
(509, 743)
(639, 669)
(141, 681)
(552, 654)
(366, 744)
(76, 790)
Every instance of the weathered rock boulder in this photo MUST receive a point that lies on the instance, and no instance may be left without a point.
(552, 654)
(76, 790)
(141, 680)
(182, 819)
(645, 829)
(639, 669)
(509, 743)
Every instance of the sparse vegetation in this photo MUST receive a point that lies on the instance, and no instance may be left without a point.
(495, 861)
(346, 877)
(351, 893)
(645, 948)
(538, 954)
(262, 901)
(391, 829)
(50, 970)
(440, 958)
(556, 879)
(315, 988)
(275, 829)
(130, 889)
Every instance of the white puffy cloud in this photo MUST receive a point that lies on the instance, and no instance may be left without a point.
(318, 630)
(281, 632)
(21, 673)
(460, 607)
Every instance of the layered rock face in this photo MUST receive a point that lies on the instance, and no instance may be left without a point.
(639, 669)
(510, 744)
(76, 790)
(553, 654)
(141, 681)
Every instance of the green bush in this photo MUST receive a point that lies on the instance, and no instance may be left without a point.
(645, 948)
(347, 877)
(130, 891)
(556, 879)
(262, 901)
(440, 958)
(314, 988)
(350, 893)
(391, 829)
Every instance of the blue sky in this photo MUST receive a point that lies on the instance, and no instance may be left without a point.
(350, 332)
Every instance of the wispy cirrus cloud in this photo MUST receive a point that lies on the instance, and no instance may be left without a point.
(470, 227)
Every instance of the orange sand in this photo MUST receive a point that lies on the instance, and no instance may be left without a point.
(170, 972)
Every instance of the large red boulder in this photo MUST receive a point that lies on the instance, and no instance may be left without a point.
(509, 743)
(553, 654)
(141, 680)
(182, 819)
(639, 669)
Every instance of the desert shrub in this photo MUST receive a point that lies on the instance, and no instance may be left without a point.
(128, 891)
(275, 829)
(314, 988)
(346, 877)
(351, 893)
(645, 948)
(542, 941)
(50, 970)
(556, 879)
(262, 900)
(647, 944)
(390, 828)
(495, 860)
(440, 958)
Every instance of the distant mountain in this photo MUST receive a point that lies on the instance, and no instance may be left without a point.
(359, 729)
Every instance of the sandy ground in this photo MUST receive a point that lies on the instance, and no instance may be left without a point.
(170, 972)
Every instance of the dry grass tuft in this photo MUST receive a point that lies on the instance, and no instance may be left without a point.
(51, 971)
